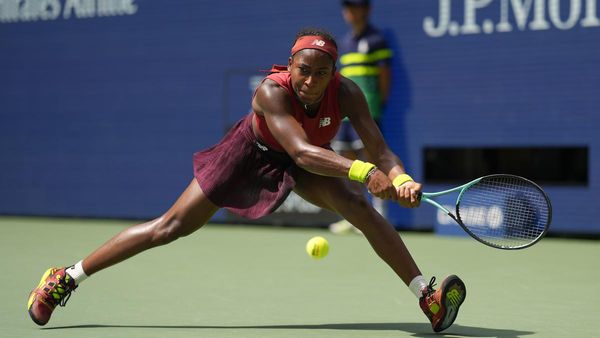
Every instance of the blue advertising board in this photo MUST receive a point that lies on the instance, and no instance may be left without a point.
(103, 102)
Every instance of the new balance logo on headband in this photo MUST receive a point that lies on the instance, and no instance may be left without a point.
(319, 43)
(313, 42)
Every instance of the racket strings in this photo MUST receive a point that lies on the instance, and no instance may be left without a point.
(505, 211)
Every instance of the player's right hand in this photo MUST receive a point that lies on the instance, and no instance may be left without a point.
(408, 194)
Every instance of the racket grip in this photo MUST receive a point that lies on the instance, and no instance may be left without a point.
(419, 195)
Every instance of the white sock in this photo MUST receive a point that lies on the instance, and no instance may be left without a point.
(417, 284)
(76, 272)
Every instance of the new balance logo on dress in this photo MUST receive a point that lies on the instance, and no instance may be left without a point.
(324, 122)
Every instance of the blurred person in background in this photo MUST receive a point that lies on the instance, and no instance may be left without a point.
(365, 58)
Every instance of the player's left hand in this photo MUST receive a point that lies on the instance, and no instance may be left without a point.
(379, 185)
(408, 194)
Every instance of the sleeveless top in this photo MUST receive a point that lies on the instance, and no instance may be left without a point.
(321, 128)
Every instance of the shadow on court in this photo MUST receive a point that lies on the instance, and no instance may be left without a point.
(416, 329)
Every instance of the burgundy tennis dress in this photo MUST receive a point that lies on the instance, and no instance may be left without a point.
(253, 176)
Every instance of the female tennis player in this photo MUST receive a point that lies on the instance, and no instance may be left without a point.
(282, 145)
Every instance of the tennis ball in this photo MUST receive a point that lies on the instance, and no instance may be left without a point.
(317, 247)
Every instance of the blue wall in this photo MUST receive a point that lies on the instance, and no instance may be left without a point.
(101, 109)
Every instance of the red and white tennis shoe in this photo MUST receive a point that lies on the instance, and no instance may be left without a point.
(54, 289)
(441, 305)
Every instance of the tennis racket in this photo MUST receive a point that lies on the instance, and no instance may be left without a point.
(502, 211)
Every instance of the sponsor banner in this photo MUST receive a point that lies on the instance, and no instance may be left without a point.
(49, 10)
(506, 16)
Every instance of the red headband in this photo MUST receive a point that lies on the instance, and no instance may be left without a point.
(315, 42)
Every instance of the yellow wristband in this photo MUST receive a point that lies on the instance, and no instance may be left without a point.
(401, 179)
(359, 170)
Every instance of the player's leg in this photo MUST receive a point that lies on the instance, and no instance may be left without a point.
(441, 305)
(191, 211)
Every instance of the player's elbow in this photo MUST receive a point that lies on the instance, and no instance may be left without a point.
(301, 156)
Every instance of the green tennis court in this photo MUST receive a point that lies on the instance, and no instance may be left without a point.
(248, 281)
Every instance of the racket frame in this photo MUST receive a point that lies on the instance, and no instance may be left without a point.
(428, 197)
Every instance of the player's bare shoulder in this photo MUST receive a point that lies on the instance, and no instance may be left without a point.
(269, 94)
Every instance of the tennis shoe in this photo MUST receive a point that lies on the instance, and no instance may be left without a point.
(54, 289)
(341, 227)
(441, 305)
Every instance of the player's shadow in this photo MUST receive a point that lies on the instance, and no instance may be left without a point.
(415, 329)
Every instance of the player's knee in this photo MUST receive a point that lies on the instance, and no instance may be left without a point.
(167, 229)
(357, 210)
(356, 202)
